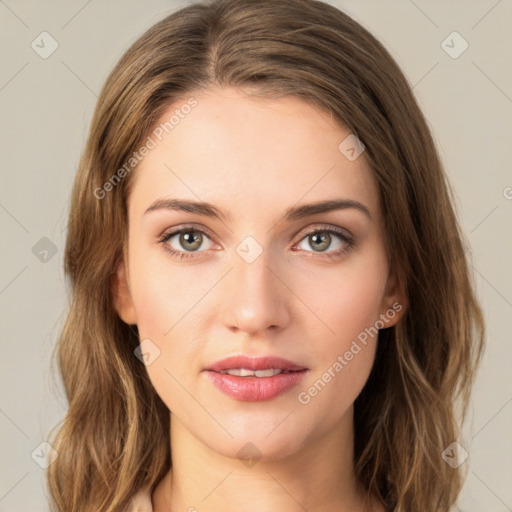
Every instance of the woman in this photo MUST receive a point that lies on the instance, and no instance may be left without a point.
(271, 303)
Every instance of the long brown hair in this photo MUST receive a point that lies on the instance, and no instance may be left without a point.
(114, 438)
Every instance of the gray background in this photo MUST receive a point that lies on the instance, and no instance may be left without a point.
(46, 107)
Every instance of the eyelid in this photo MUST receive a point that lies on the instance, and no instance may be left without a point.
(321, 226)
(177, 229)
(347, 239)
(309, 230)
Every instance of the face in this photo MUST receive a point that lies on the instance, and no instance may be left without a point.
(253, 280)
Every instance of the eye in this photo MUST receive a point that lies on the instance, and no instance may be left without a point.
(184, 242)
(322, 238)
(190, 240)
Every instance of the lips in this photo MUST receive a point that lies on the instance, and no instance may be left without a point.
(255, 388)
(255, 363)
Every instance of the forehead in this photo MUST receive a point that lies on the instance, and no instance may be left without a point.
(233, 149)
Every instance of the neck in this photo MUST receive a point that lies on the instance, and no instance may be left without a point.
(318, 477)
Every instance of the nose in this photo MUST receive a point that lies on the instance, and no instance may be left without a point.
(254, 297)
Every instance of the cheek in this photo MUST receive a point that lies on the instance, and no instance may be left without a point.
(344, 354)
(163, 303)
(346, 310)
(160, 294)
(168, 302)
(346, 299)
(342, 304)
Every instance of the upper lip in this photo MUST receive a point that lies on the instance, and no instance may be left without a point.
(255, 363)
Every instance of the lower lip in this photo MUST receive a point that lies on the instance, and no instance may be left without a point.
(255, 389)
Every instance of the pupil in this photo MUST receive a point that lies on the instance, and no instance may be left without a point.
(191, 238)
(323, 239)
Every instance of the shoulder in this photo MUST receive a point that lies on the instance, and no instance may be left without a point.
(141, 502)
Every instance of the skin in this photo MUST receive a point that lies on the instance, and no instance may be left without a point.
(254, 158)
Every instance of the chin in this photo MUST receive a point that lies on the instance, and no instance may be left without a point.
(256, 444)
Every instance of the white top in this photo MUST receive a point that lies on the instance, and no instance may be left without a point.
(141, 502)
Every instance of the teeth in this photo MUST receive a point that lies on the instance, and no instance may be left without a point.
(244, 372)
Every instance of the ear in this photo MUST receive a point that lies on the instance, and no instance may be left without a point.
(394, 302)
(121, 295)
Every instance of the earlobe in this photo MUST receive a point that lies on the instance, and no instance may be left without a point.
(121, 295)
(394, 303)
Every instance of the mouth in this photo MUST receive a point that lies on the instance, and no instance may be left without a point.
(244, 372)
(255, 379)
(244, 364)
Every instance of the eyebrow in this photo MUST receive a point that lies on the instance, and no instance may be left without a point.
(291, 214)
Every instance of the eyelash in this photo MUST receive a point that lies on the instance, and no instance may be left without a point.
(348, 241)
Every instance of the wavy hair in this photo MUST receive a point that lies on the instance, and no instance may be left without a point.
(114, 438)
